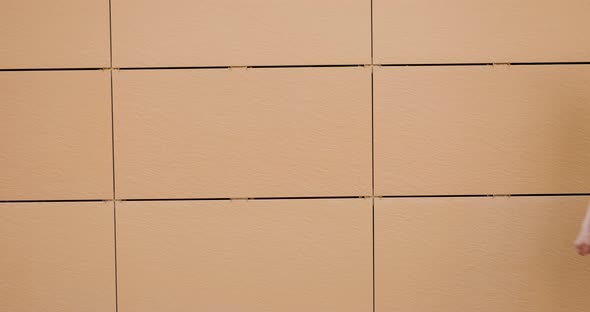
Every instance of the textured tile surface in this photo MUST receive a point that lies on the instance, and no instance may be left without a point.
(488, 31)
(243, 133)
(225, 32)
(482, 129)
(55, 129)
(54, 34)
(57, 257)
(480, 254)
(262, 255)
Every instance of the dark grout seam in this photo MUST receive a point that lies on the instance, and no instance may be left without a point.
(56, 201)
(113, 158)
(52, 69)
(243, 198)
(307, 66)
(110, 36)
(541, 195)
(294, 66)
(484, 64)
(549, 63)
(483, 195)
(287, 198)
(235, 67)
(372, 162)
(172, 67)
(114, 194)
(372, 45)
(435, 64)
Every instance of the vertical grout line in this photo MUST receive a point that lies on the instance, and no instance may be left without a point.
(373, 181)
(116, 272)
(113, 134)
(110, 37)
(372, 63)
(113, 156)
(372, 158)
(114, 194)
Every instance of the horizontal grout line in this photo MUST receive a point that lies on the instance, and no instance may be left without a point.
(289, 198)
(249, 198)
(295, 66)
(484, 195)
(246, 66)
(298, 66)
(173, 67)
(550, 63)
(55, 201)
(435, 64)
(434, 196)
(564, 194)
(359, 65)
(486, 64)
(52, 69)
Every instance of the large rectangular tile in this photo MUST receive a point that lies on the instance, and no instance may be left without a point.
(226, 32)
(243, 133)
(56, 135)
(480, 254)
(464, 31)
(256, 255)
(54, 34)
(482, 129)
(57, 257)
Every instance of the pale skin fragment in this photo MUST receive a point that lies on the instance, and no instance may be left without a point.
(582, 242)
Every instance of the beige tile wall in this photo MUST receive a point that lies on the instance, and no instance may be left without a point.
(479, 254)
(483, 31)
(482, 129)
(56, 135)
(264, 132)
(280, 156)
(152, 33)
(54, 34)
(255, 255)
(57, 256)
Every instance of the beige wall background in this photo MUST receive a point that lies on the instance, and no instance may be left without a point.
(355, 155)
